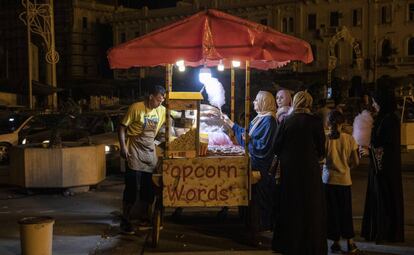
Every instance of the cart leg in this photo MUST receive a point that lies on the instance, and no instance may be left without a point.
(176, 216)
(156, 227)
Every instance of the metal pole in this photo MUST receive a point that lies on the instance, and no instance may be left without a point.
(247, 106)
(232, 93)
(246, 126)
(52, 44)
(168, 88)
(29, 56)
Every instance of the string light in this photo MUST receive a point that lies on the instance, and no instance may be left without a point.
(220, 66)
(235, 63)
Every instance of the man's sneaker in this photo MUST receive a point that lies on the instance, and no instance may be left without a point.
(127, 228)
(353, 249)
(144, 225)
(336, 248)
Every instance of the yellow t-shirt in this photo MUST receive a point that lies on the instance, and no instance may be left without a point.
(336, 169)
(138, 115)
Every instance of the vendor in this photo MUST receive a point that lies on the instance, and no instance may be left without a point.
(261, 132)
(136, 134)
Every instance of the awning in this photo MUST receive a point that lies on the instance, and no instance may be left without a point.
(209, 37)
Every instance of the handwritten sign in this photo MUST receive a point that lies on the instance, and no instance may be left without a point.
(212, 181)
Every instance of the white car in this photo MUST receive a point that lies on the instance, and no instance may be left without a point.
(10, 126)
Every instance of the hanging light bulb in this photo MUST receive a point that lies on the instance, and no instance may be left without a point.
(180, 63)
(204, 75)
(181, 68)
(220, 66)
(235, 63)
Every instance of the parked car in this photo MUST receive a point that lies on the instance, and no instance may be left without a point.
(85, 128)
(10, 126)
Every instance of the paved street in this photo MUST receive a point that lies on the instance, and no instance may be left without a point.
(87, 223)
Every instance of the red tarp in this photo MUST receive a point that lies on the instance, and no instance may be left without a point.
(210, 36)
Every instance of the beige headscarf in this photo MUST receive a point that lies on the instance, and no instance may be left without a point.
(266, 106)
(302, 102)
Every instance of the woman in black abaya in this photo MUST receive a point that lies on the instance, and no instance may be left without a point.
(301, 220)
(384, 206)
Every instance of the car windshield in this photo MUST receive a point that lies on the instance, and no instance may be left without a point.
(10, 123)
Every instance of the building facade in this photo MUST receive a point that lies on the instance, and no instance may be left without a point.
(82, 33)
(366, 39)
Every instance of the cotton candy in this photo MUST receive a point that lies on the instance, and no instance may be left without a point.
(363, 123)
(215, 92)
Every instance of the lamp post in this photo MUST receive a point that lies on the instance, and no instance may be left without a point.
(39, 20)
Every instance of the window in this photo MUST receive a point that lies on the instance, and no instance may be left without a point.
(84, 23)
(386, 14)
(84, 45)
(334, 19)
(411, 12)
(263, 22)
(123, 37)
(314, 52)
(411, 46)
(357, 17)
(284, 25)
(291, 25)
(386, 51)
(312, 22)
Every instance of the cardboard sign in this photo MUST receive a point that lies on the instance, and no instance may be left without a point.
(205, 181)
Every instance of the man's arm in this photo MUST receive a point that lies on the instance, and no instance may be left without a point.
(122, 141)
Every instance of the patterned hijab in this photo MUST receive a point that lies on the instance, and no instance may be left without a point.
(266, 106)
(302, 102)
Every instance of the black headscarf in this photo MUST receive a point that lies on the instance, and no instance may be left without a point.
(384, 96)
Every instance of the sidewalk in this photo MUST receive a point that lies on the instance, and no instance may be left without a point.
(87, 223)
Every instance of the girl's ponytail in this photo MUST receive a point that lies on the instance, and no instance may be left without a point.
(335, 118)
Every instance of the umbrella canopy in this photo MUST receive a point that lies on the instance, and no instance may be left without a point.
(208, 37)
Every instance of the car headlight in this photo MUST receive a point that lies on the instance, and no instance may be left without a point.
(111, 148)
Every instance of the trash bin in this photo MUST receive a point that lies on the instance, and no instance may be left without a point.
(36, 235)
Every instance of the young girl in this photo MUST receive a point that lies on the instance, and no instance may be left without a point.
(342, 155)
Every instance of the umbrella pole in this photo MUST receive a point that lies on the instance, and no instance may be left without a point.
(232, 93)
(168, 88)
(246, 123)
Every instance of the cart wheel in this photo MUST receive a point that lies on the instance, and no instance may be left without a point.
(156, 225)
(223, 213)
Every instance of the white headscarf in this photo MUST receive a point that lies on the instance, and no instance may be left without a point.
(266, 106)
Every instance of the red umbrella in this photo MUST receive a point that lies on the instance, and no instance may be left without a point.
(208, 37)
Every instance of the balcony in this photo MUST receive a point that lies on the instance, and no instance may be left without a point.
(396, 61)
(327, 31)
(408, 60)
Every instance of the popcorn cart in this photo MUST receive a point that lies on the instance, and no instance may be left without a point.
(189, 175)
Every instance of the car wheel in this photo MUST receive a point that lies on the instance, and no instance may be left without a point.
(4, 153)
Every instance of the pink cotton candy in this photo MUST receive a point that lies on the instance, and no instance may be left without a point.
(363, 123)
(218, 138)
